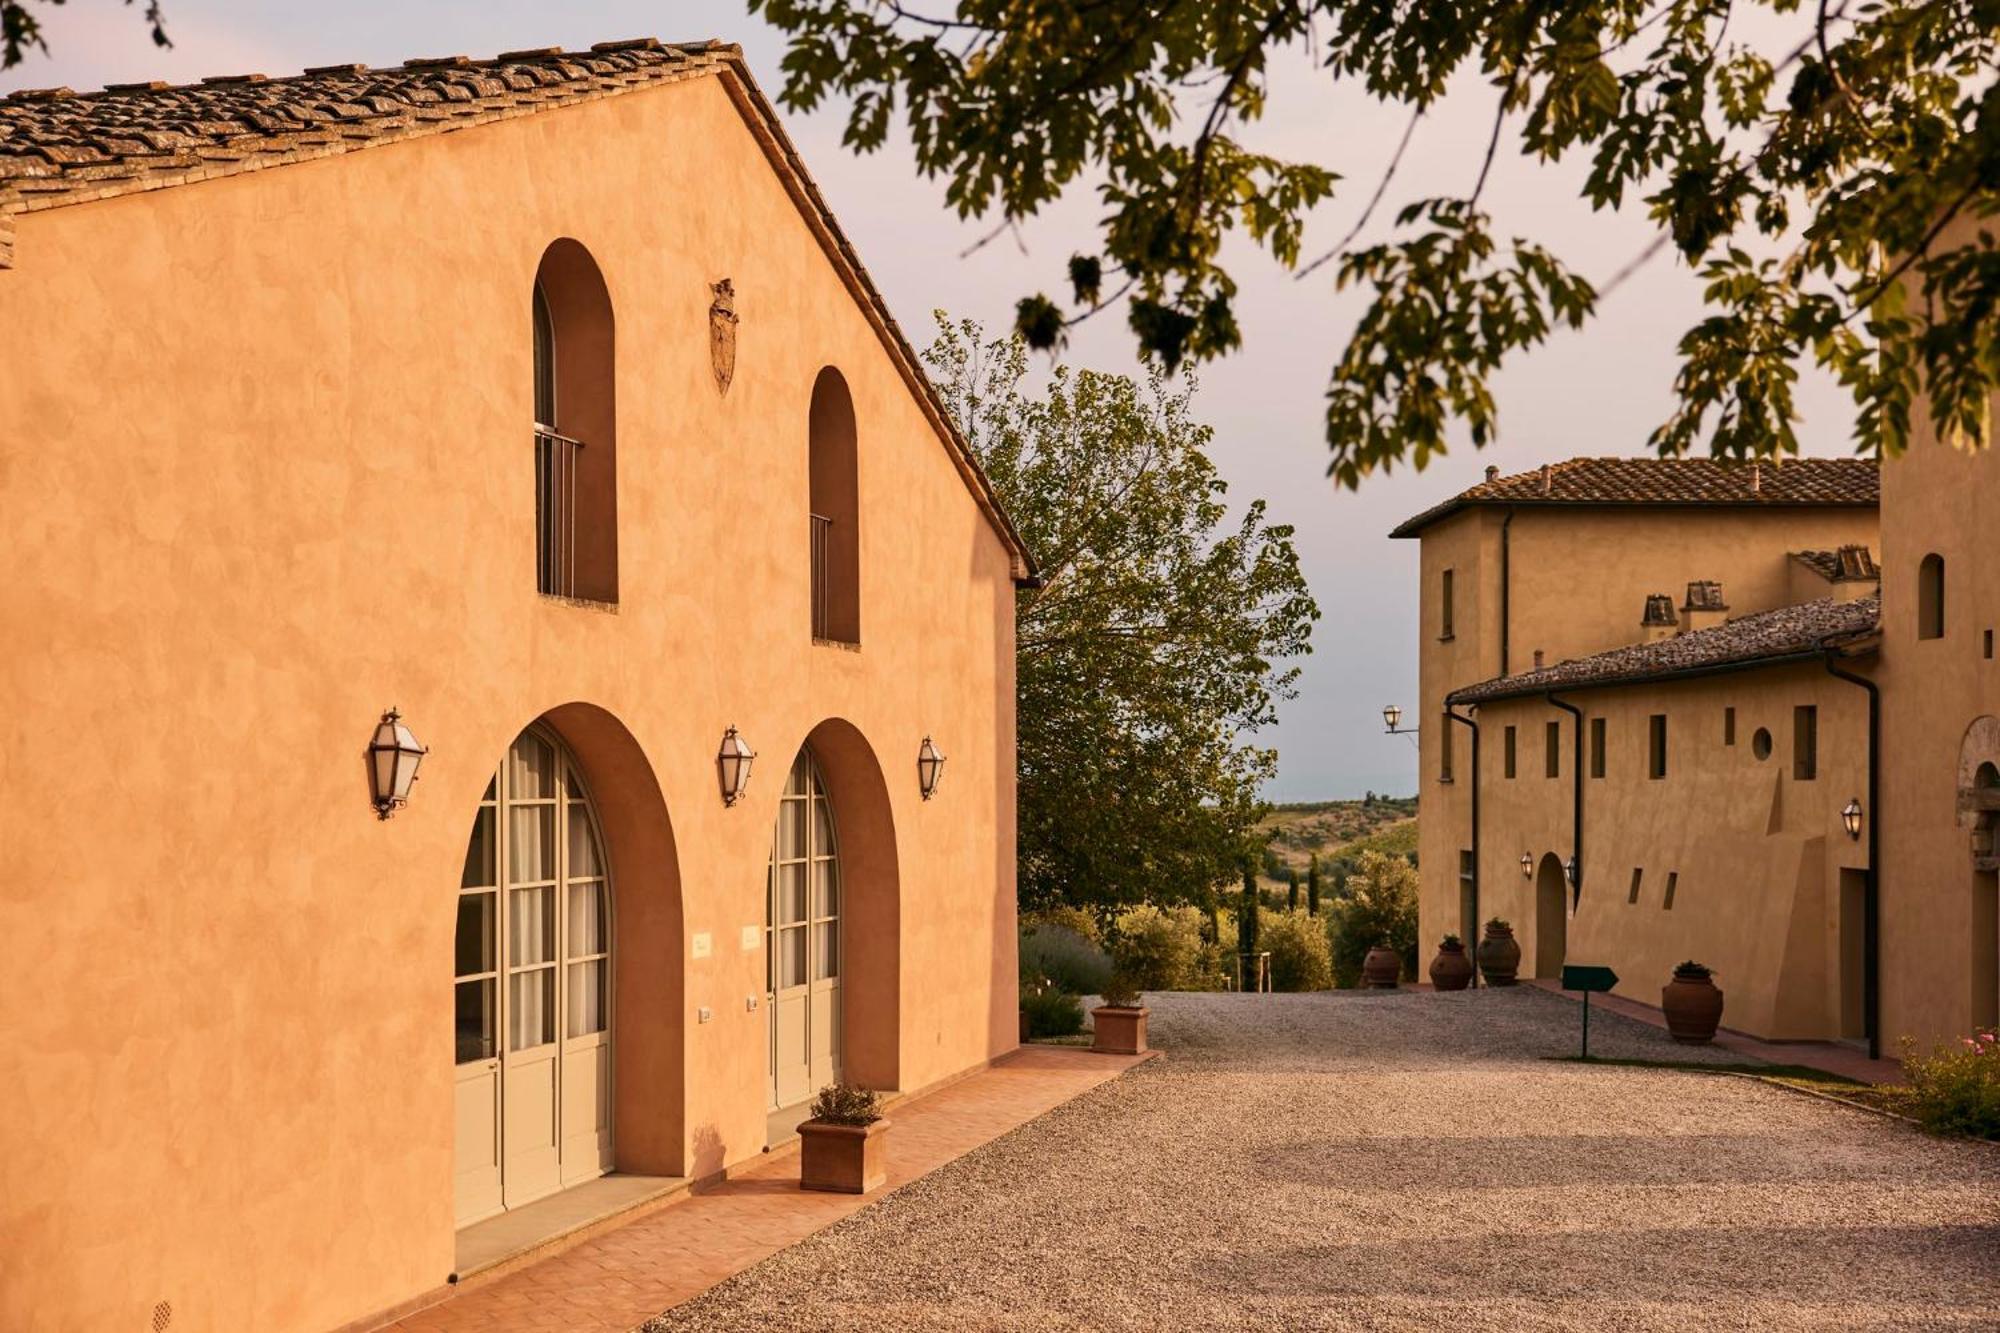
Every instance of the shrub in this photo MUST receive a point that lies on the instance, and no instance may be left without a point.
(1052, 1011)
(1158, 950)
(845, 1104)
(1956, 1089)
(1120, 993)
(1067, 915)
(1380, 907)
(1299, 956)
(1064, 957)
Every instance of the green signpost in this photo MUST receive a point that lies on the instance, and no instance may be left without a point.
(1587, 979)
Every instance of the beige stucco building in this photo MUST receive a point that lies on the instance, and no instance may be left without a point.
(579, 435)
(1703, 754)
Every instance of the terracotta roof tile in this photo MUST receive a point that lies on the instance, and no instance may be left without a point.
(327, 109)
(1755, 640)
(1671, 481)
(1849, 564)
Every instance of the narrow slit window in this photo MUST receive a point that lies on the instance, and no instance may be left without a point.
(1673, 882)
(1729, 726)
(1805, 742)
(1445, 731)
(1597, 747)
(1508, 746)
(1656, 746)
(1637, 876)
(1446, 610)
(1930, 597)
(1552, 739)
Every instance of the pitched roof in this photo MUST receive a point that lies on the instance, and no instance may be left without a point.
(1670, 482)
(1849, 564)
(59, 147)
(1766, 638)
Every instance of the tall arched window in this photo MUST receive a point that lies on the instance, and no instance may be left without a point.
(802, 940)
(576, 428)
(533, 989)
(1930, 597)
(836, 512)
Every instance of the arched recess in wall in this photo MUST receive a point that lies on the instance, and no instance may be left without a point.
(1930, 597)
(1979, 810)
(836, 512)
(1551, 917)
(872, 910)
(576, 426)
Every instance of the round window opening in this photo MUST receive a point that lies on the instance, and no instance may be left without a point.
(1760, 744)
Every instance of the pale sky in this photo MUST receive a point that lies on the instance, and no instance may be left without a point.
(1599, 392)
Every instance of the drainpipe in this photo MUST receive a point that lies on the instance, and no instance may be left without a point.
(1473, 945)
(1871, 894)
(1506, 588)
(1576, 778)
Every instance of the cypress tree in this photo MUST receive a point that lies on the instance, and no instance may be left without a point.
(1246, 915)
(1312, 887)
(1294, 904)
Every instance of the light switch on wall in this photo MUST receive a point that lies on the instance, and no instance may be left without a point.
(704, 1013)
(704, 944)
(750, 1004)
(752, 937)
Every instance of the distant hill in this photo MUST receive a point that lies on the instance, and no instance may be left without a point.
(1339, 831)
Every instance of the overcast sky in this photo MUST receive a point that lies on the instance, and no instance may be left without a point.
(1599, 392)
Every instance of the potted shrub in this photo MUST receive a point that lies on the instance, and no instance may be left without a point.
(1118, 1026)
(840, 1148)
(1692, 1003)
(1499, 953)
(1382, 968)
(1452, 968)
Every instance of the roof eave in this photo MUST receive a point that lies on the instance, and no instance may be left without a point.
(1414, 527)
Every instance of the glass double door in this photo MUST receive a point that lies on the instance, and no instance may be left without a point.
(532, 989)
(802, 940)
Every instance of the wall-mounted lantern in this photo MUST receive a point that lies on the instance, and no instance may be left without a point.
(732, 766)
(1528, 864)
(393, 756)
(930, 765)
(1573, 872)
(1850, 818)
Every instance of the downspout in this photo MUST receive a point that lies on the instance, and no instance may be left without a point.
(1871, 893)
(1506, 589)
(1576, 778)
(1452, 713)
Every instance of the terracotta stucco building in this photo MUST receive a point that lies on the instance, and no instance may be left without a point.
(1711, 724)
(542, 399)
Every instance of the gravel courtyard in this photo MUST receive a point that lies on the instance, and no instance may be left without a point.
(1347, 1160)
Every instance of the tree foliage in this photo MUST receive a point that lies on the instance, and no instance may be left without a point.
(1155, 646)
(1379, 907)
(1813, 183)
(21, 28)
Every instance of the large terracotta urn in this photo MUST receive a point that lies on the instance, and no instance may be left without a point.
(1452, 968)
(1499, 954)
(1381, 969)
(1692, 1003)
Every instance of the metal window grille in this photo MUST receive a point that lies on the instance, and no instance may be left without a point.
(556, 459)
(822, 622)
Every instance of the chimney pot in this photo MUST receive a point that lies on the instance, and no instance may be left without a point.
(1757, 477)
(1492, 473)
(1538, 659)
(1548, 478)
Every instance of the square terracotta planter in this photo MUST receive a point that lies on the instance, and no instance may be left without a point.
(841, 1159)
(1119, 1031)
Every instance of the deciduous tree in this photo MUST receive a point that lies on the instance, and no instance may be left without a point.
(1157, 645)
(1812, 179)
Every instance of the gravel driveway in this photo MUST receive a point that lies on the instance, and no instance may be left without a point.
(1347, 1160)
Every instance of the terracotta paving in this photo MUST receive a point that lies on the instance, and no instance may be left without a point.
(1828, 1056)
(625, 1276)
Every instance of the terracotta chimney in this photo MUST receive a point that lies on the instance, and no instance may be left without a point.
(1548, 478)
(1704, 608)
(1856, 574)
(1756, 477)
(1659, 621)
(1492, 473)
(1538, 659)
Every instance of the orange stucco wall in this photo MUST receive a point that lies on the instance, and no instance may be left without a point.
(1577, 579)
(1755, 853)
(271, 473)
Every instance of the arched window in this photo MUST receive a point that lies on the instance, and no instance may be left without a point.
(802, 940)
(533, 988)
(576, 428)
(1930, 597)
(836, 511)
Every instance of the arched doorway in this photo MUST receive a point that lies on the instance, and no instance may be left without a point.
(1985, 914)
(1551, 917)
(532, 987)
(802, 952)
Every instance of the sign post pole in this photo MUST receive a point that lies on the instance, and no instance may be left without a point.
(1586, 980)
